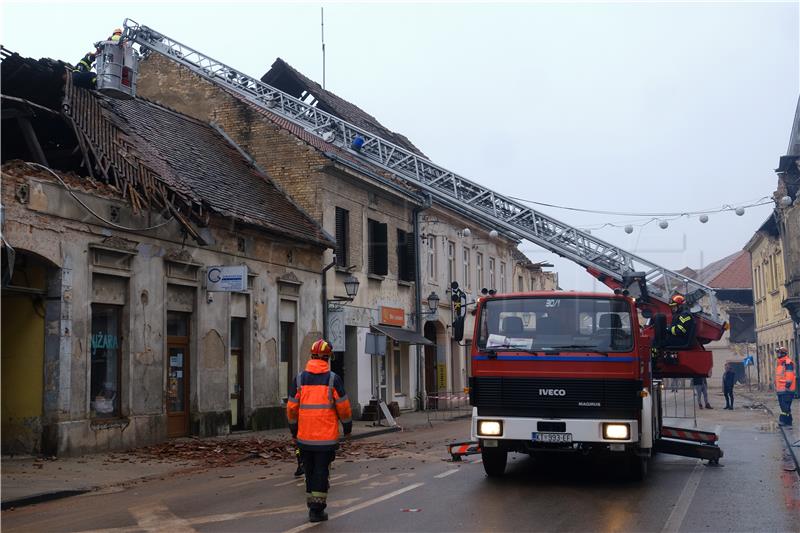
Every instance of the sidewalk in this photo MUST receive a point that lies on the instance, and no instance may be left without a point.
(768, 399)
(27, 480)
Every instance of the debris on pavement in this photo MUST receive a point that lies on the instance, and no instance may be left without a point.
(213, 452)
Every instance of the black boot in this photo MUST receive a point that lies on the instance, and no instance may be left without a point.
(317, 515)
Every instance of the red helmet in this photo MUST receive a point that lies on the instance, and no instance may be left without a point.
(321, 348)
(677, 300)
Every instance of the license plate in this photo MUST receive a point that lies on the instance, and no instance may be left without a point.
(555, 438)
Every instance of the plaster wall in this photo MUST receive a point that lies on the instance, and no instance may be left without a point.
(135, 269)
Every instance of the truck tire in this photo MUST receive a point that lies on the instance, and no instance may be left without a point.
(494, 462)
(638, 467)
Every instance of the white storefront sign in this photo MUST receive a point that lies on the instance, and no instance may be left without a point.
(226, 278)
(336, 329)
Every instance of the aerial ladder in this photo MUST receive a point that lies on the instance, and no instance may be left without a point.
(652, 285)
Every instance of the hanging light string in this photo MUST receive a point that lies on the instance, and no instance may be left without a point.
(726, 207)
(663, 219)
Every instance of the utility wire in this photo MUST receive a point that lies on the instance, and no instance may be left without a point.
(89, 209)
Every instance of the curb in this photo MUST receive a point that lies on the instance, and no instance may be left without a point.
(783, 432)
(44, 497)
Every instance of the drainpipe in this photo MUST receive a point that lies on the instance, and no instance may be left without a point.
(418, 303)
(324, 274)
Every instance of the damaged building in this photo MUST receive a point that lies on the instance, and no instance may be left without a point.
(403, 248)
(120, 221)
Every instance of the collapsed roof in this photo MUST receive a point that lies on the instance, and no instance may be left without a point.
(155, 157)
(289, 80)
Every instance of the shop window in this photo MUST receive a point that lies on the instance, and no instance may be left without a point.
(105, 361)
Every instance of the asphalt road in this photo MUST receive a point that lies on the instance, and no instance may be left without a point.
(417, 489)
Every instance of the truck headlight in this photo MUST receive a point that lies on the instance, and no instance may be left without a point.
(616, 431)
(492, 428)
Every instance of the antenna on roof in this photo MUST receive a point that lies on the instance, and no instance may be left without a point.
(322, 24)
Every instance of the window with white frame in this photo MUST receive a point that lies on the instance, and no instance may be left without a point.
(451, 261)
(479, 270)
(465, 273)
(502, 287)
(492, 278)
(432, 258)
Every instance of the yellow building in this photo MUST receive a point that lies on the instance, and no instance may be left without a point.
(773, 324)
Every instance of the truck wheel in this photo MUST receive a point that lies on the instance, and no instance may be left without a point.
(638, 467)
(494, 462)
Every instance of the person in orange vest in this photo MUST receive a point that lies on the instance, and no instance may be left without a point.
(785, 385)
(317, 403)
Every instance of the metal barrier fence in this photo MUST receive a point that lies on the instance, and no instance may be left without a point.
(678, 399)
(447, 405)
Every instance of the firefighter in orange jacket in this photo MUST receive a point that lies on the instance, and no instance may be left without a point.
(785, 385)
(317, 403)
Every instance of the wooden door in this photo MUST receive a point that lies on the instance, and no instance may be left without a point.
(177, 374)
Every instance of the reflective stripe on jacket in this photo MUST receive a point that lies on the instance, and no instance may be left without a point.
(785, 375)
(317, 402)
(681, 324)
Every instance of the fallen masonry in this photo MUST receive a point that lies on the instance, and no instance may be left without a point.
(223, 452)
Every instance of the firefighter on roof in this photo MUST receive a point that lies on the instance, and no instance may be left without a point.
(317, 403)
(82, 75)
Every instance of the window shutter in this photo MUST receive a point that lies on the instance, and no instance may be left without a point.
(381, 249)
(411, 257)
(342, 236)
(371, 246)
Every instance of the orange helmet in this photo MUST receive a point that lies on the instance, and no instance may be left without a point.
(321, 348)
(677, 300)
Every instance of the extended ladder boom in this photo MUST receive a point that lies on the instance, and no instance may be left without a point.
(450, 189)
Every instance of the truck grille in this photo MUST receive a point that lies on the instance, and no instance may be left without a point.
(556, 398)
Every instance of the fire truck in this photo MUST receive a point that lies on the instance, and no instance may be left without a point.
(554, 371)
(581, 373)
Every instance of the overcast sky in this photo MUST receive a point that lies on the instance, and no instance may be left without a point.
(630, 107)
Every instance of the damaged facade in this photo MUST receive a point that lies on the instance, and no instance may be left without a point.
(110, 338)
(787, 224)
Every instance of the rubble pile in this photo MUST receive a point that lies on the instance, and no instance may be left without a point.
(221, 452)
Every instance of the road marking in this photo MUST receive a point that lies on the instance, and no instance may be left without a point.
(678, 514)
(158, 518)
(349, 482)
(295, 480)
(224, 517)
(445, 474)
(362, 505)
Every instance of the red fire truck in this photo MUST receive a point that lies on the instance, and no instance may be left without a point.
(580, 372)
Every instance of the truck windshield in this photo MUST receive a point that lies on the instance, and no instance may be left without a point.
(563, 324)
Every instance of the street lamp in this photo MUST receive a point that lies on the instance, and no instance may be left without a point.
(433, 302)
(351, 284)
